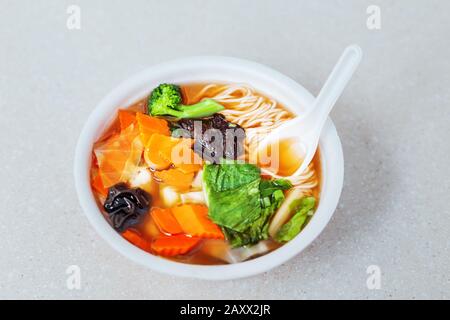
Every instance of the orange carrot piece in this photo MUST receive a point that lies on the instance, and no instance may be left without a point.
(162, 151)
(166, 221)
(194, 221)
(170, 246)
(158, 151)
(136, 239)
(177, 150)
(185, 159)
(149, 125)
(189, 168)
(151, 229)
(175, 178)
(126, 118)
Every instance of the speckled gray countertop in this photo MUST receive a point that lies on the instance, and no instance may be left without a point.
(394, 122)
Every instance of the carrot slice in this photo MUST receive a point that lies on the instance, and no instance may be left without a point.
(178, 151)
(149, 125)
(162, 151)
(126, 118)
(175, 178)
(194, 221)
(170, 246)
(136, 239)
(166, 221)
(150, 228)
(189, 167)
(184, 158)
(158, 150)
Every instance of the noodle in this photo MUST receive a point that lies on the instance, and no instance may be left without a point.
(258, 115)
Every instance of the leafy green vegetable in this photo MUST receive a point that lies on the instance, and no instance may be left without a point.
(236, 209)
(259, 230)
(267, 187)
(240, 239)
(240, 202)
(229, 175)
(232, 191)
(303, 207)
(165, 100)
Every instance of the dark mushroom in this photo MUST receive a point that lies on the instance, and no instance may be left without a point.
(126, 207)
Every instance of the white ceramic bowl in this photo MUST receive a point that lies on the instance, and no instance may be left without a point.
(220, 69)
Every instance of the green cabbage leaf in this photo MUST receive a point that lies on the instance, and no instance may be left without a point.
(240, 201)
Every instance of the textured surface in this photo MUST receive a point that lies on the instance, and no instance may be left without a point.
(393, 121)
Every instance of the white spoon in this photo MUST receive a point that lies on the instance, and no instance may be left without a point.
(304, 132)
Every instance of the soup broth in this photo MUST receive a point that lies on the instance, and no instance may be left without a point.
(206, 251)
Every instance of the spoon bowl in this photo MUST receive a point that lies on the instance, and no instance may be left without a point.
(304, 132)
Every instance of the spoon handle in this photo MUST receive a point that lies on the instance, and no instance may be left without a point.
(335, 85)
(328, 95)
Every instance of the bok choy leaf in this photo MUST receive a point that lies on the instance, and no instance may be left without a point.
(304, 208)
(240, 201)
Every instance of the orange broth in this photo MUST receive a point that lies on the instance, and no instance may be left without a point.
(148, 229)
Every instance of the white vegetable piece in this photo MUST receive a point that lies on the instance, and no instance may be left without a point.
(245, 253)
(284, 212)
(193, 197)
(221, 250)
(140, 177)
(169, 196)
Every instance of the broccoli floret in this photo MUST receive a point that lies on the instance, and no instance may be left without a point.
(166, 100)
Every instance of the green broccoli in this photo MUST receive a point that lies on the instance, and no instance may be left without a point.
(166, 100)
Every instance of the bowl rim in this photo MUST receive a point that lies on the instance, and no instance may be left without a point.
(131, 89)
